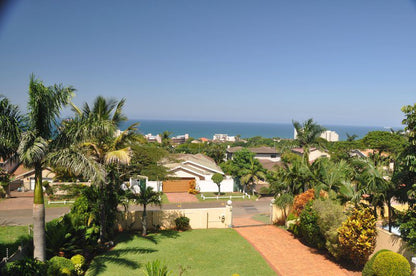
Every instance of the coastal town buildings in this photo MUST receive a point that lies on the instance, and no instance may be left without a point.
(329, 135)
(223, 138)
(314, 153)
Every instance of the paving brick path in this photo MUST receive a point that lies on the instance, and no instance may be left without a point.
(181, 197)
(288, 256)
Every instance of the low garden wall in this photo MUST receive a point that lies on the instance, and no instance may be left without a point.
(165, 219)
(390, 241)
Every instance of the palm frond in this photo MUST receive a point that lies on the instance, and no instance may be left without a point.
(121, 156)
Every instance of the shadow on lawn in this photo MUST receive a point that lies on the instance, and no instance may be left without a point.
(115, 256)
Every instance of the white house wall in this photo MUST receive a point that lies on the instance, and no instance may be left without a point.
(184, 174)
(227, 185)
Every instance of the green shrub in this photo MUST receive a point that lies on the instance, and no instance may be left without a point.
(79, 263)
(309, 230)
(156, 268)
(368, 268)
(357, 236)
(291, 216)
(391, 263)
(330, 218)
(60, 266)
(25, 267)
(182, 223)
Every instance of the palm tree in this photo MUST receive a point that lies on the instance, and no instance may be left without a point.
(145, 197)
(10, 128)
(44, 106)
(94, 134)
(352, 137)
(251, 176)
(307, 134)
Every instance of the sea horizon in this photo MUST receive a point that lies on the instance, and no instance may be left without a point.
(199, 129)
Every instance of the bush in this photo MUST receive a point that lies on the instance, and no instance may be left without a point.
(330, 218)
(368, 268)
(407, 222)
(60, 266)
(309, 230)
(192, 188)
(391, 263)
(357, 236)
(79, 263)
(28, 266)
(182, 223)
(300, 201)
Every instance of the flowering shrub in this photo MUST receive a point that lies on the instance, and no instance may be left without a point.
(301, 200)
(192, 188)
(357, 236)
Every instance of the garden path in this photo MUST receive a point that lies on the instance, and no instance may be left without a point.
(288, 256)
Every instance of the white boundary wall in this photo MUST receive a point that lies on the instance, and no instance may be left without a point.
(227, 185)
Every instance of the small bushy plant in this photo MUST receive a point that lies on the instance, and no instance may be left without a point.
(357, 236)
(182, 223)
(60, 266)
(391, 263)
(156, 268)
(27, 266)
(368, 268)
(309, 230)
(330, 218)
(79, 263)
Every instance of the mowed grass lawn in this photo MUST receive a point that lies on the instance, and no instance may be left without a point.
(11, 237)
(200, 252)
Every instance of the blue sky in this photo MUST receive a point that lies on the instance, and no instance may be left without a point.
(341, 62)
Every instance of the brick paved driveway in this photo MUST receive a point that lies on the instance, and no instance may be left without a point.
(181, 197)
(288, 256)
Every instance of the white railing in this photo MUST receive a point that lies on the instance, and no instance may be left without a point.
(61, 202)
(245, 195)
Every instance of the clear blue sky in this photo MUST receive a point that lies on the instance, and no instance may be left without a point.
(341, 62)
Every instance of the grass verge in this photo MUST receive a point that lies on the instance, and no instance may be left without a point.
(197, 252)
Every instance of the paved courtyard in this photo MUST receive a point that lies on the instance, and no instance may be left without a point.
(287, 255)
(181, 197)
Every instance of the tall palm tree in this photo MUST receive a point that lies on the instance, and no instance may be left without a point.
(307, 134)
(94, 132)
(251, 176)
(44, 106)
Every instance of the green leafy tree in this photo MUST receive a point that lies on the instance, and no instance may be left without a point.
(252, 175)
(145, 197)
(44, 106)
(307, 134)
(217, 178)
(216, 152)
(384, 141)
(93, 135)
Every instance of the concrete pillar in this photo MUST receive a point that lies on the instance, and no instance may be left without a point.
(229, 214)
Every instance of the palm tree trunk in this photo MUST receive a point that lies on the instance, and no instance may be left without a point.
(144, 221)
(38, 217)
(390, 212)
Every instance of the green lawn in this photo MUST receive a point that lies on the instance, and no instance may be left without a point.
(224, 194)
(200, 252)
(11, 237)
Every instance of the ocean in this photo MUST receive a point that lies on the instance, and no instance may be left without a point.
(207, 129)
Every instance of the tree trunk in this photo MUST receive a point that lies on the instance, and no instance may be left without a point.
(144, 221)
(38, 217)
(390, 212)
(102, 214)
(219, 189)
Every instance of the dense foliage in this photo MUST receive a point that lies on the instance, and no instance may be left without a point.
(182, 223)
(357, 235)
(308, 228)
(390, 263)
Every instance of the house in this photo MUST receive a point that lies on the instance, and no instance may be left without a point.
(180, 139)
(27, 176)
(153, 138)
(186, 168)
(261, 153)
(314, 153)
